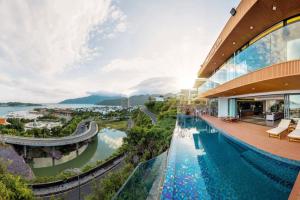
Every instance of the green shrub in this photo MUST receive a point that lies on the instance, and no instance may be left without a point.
(13, 187)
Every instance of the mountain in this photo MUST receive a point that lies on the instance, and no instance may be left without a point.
(133, 101)
(92, 99)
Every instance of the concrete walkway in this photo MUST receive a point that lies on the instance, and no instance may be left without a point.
(130, 123)
(153, 117)
(71, 191)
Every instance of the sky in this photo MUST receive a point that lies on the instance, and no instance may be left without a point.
(51, 50)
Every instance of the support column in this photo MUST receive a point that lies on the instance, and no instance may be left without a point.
(223, 107)
(287, 106)
(53, 159)
(25, 151)
(232, 108)
(77, 147)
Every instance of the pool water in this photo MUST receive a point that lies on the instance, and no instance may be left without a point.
(206, 164)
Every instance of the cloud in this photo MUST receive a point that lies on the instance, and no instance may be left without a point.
(40, 40)
(48, 36)
(156, 85)
(56, 49)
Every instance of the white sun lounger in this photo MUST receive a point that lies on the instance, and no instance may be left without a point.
(282, 127)
(295, 135)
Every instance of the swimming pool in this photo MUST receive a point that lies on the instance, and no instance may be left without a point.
(206, 164)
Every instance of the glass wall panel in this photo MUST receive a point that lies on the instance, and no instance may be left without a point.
(254, 57)
(213, 107)
(285, 43)
(232, 107)
(295, 106)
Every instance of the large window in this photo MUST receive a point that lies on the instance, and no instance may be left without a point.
(294, 106)
(213, 107)
(277, 44)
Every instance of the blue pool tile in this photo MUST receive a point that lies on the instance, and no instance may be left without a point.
(204, 163)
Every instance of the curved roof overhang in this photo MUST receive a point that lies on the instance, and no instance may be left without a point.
(252, 18)
(278, 77)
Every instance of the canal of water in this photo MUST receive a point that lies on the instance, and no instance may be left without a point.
(103, 146)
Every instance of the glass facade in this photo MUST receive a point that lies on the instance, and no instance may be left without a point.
(278, 44)
(294, 107)
(213, 107)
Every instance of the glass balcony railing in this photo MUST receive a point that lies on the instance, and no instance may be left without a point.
(278, 44)
(145, 181)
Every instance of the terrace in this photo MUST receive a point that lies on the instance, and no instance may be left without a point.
(256, 136)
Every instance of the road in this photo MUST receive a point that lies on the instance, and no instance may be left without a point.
(70, 191)
(150, 114)
(130, 123)
(81, 128)
(61, 141)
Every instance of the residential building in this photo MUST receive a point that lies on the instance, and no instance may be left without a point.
(253, 69)
(159, 98)
(186, 96)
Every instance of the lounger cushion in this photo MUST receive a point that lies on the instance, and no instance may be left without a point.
(295, 134)
(276, 131)
(284, 123)
(298, 125)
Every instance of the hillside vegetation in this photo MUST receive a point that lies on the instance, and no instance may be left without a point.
(143, 142)
(13, 187)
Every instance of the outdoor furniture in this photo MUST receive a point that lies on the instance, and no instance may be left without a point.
(229, 119)
(274, 116)
(295, 134)
(292, 127)
(281, 128)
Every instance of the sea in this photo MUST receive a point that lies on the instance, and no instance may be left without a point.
(24, 110)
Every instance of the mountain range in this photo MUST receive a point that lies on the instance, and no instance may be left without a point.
(111, 100)
(91, 99)
(123, 101)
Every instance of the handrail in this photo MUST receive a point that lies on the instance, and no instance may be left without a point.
(75, 178)
(116, 196)
(60, 141)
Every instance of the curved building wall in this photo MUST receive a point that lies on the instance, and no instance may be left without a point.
(280, 43)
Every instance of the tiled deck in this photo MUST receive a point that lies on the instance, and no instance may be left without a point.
(256, 136)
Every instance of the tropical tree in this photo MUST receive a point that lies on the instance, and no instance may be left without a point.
(13, 187)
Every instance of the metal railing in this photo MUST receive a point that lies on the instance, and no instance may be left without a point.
(55, 141)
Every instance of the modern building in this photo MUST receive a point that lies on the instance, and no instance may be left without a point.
(253, 69)
(186, 96)
(159, 98)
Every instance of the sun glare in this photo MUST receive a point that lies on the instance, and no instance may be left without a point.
(186, 82)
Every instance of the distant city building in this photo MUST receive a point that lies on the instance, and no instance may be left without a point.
(41, 124)
(159, 99)
(186, 96)
(63, 112)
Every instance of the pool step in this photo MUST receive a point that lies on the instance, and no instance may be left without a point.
(272, 169)
(236, 146)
